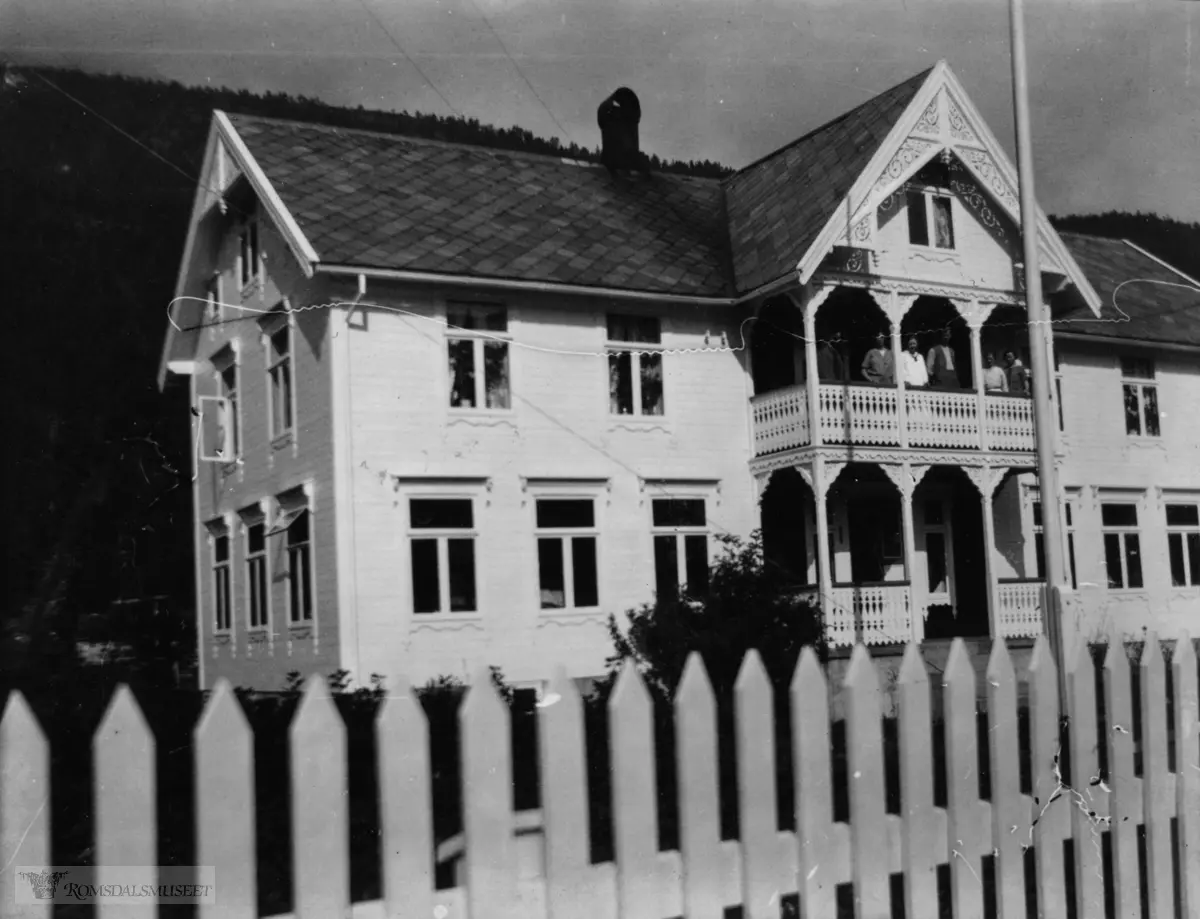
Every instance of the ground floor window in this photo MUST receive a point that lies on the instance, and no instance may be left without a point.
(1183, 544)
(566, 549)
(1122, 546)
(1039, 542)
(258, 596)
(222, 595)
(442, 553)
(680, 547)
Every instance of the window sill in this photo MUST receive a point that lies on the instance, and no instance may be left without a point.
(569, 617)
(637, 422)
(481, 416)
(286, 439)
(228, 469)
(258, 635)
(251, 288)
(445, 622)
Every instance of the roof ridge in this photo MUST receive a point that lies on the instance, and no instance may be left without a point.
(410, 138)
(922, 76)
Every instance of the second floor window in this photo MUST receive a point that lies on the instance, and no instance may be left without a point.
(279, 372)
(478, 356)
(213, 308)
(1141, 396)
(927, 211)
(442, 544)
(293, 522)
(249, 255)
(258, 593)
(231, 419)
(680, 547)
(1039, 541)
(222, 595)
(566, 548)
(1122, 547)
(635, 365)
(1183, 544)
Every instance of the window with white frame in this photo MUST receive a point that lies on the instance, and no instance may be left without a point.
(213, 308)
(1141, 396)
(258, 594)
(229, 434)
(477, 354)
(279, 375)
(929, 210)
(293, 521)
(442, 550)
(221, 576)
(249, 254)
(1122, 546)
(566, 547)
(635, 365)
(1039, 541)
(680, 528)
(1183, 543)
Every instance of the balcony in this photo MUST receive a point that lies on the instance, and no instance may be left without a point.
(863, 414)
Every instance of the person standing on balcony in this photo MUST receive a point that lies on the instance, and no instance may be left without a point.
(1018, 376)
(994, 378)
(940, 364)
(831, 365)
(913, 367)
(877, 366)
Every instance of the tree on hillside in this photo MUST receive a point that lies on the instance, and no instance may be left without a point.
(749, 603)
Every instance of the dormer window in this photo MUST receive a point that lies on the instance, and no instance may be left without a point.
(928, 209)
(249, 254)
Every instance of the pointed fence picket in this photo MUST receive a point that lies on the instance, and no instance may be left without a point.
(24, 803)
(1068, 810)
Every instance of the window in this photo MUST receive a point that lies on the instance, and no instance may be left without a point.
(249, 255)
(1141, 396)
(936, 554)
(229, 432)
(1122, 551)
(566, 547)
(213, 309)
(442, 544)
(1183, 544)
(478, 358)
(926, 210)
(635, 370)
(680, 547)
(279, 372)
(1039, 541)
(222, 605)
(294, 521)
(258, 597)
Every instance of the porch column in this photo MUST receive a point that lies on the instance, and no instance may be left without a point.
(980, 390)
(821, 515)
(906, 477)
(813, 298)
(985, 479)
(897, 305)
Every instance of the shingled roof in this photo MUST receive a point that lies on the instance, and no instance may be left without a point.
(1151, 312)
(778, 205)
(383, 201)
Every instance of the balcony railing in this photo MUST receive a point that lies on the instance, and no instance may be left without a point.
(867, 415)
(873, 613)
(1019, 607)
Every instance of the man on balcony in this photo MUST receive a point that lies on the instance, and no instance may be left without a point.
(994, 378)
(913, 367)
(942, 373)
(831, 364)
(1018, 376)
(877, 366)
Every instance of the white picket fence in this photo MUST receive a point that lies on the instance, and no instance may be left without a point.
(706, 874)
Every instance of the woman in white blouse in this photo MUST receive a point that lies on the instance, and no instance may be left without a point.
(913, 366)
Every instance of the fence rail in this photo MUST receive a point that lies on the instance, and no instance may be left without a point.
(706, 875)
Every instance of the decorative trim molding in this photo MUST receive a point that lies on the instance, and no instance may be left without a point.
(986, 168)
(453, 480)
(568, 481)
(960, 129)
(919, 288)
(480, 421)
(567, 620)
(911, 152)
(461, 624)
(814, 296)
(685, 481)
(986, 478)
(930, 120)
(801, 457)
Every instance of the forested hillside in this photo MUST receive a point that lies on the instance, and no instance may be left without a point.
(98, 174)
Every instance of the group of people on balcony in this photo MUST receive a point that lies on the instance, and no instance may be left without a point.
(936, 370)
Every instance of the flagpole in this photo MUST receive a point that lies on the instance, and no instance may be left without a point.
(1039, 353)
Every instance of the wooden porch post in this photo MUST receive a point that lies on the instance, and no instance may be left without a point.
(812, 302)
(985, 479)
(905, 477)
(821, 513)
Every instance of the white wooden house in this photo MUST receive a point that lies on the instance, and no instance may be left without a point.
(453, 406)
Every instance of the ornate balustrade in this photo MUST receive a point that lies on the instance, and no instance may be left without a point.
(1009, 421)
(1019, 608)
(866, 415)
(875, 614)
(858, 414)
(780, 420)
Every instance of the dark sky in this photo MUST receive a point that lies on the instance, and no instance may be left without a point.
(1115, 84)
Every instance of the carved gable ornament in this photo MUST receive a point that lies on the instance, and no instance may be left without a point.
(940, 122)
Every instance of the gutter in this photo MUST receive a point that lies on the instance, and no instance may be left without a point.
(1127, 342)
(550, 287)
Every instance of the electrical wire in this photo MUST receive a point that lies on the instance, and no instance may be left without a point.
(396, 44)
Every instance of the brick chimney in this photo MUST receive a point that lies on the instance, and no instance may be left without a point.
(618, 117)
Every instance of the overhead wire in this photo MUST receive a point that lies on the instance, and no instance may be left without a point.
(396, 44)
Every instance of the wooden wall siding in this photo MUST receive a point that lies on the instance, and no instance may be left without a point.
(973, 837)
